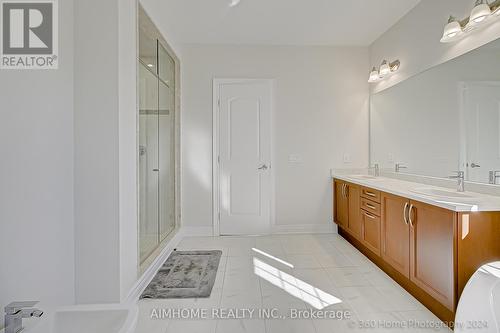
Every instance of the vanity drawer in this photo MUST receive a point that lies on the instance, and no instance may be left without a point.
(370, 206)
(370, 231)
(371, 194)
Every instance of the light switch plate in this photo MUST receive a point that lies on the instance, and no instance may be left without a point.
(347, 158)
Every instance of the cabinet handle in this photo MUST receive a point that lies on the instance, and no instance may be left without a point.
(370, 206)
(404, 213)
(343, 190)
(409, 215)
(370, 216)
(370, 194)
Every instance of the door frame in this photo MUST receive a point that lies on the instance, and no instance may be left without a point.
(463, 152)
(217, 83)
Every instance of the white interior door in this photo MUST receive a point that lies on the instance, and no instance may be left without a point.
(482, 114)
(244, 165)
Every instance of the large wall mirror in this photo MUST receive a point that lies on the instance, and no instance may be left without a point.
(442, 120)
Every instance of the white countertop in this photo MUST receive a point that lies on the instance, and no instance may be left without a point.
(471, 202)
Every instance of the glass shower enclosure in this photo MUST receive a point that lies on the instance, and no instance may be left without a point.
(156, 152)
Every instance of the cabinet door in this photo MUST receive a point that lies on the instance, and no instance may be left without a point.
(432, 249)
(341, 204)
(395, 233)
(354, 204)
(370, 231)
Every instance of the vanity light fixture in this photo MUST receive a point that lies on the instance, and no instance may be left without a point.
(452, 31)
(480, 12)
(374, 76)
(497, 11)
(386, 68)
(480, 15)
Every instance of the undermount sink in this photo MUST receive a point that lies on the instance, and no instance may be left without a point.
(362, 177)
(434, 192)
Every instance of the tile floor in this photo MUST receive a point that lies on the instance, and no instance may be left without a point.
(287, 275)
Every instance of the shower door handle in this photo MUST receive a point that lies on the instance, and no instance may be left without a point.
(156, 170)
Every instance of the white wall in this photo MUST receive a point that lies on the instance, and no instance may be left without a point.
(321, 112)
(36, 177)
(155, 10)
(105, 155)
(414, 40)
(96, 151)
(127, 100)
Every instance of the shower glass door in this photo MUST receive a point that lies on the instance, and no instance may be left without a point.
(156, 151)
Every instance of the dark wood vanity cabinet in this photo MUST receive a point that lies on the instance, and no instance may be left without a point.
(418, 241)
(370, 231)
(341, 203)
(347, 204)
(370, 219)
(354, 202)
(396, 233)
(430, 251)
(478, 243)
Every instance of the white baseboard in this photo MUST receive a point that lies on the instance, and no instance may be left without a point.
(329, 228)
(276, 229)
(198, 231)
(151, 271)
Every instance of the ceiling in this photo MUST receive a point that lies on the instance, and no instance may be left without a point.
(278, 22)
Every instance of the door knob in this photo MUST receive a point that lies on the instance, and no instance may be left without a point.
(474, 165)
(262, 167)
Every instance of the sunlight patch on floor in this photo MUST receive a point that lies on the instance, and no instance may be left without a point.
(295, 287)
(272, 257)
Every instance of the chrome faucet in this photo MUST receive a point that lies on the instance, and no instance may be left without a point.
(400, 166)
(16, 311)
(494, 175)
(460, 177)
(376, 169)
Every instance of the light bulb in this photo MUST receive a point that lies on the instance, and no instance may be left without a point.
(374, 76)
(384, 69)
(480, 12)
(452, 30)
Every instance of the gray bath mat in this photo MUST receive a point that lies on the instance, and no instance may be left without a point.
(185, 274)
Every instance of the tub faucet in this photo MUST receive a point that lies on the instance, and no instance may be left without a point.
(16, 311)
(460, 177)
